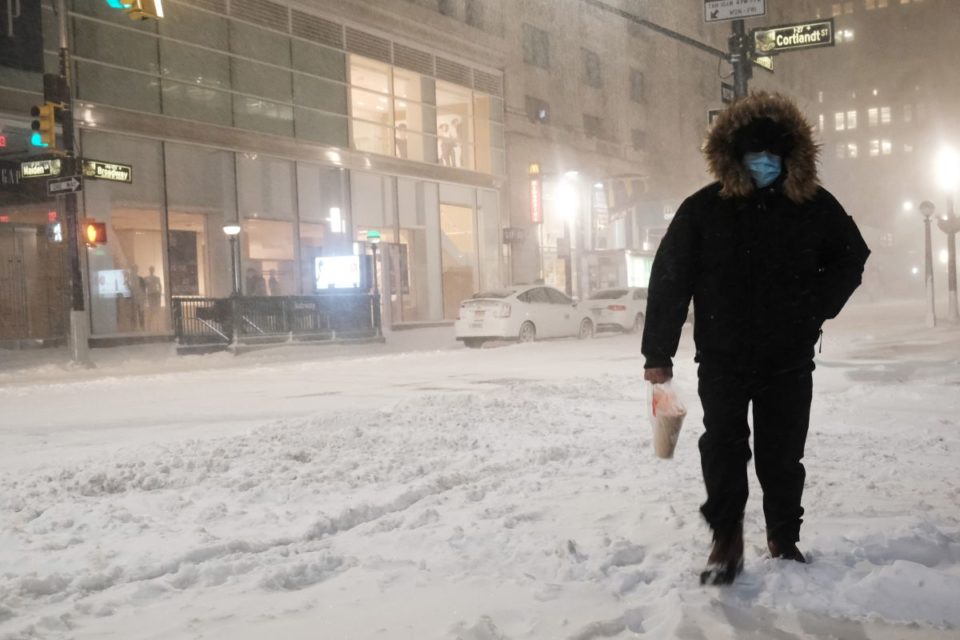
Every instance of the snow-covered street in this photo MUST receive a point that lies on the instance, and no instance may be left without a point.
(422, 490)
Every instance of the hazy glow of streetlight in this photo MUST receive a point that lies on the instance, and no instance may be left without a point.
(947, 167)
(944, 256)
(907, 206)
(915, 270)
(566, 194)
(231, 229)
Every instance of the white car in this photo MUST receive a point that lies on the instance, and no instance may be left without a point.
(619, 309)
(524, 313)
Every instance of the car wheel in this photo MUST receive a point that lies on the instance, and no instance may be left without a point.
(528, 332)
(637, 324)
(586, 329)
(474, 343)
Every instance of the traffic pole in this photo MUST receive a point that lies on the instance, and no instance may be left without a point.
(740, 59)
(79, 320)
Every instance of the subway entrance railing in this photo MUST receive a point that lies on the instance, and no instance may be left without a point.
(210, 324)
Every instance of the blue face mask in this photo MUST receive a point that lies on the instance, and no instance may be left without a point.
(764, 167)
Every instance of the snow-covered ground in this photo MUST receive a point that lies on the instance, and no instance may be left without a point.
(421, 490)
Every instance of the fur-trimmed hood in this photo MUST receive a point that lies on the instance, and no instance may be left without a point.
(800, 163)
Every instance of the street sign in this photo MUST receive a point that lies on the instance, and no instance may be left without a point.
(727, 93)
(718, 10)
(712, 115)
(513, 235)
(60, 186)
(112, 171)
(806, 35)
(46, 168)
(764, 62)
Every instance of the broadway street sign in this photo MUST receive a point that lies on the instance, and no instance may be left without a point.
(61, 186)
(790, 37)
(717, 10)
(108, 171)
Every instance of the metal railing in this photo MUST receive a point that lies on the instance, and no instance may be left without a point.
(211, 323)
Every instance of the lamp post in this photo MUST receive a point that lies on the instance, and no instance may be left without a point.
(373, 237)
(948, 178)
(569, 202)
(233, 233)
(926, 209)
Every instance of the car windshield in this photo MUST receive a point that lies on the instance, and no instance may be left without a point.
(609, 294)
(498, 294)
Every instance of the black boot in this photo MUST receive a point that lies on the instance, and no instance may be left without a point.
(726, 557)
(785, 551)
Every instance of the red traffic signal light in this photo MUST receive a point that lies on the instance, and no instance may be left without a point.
(94, 233)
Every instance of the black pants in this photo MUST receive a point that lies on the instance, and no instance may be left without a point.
(781, 416)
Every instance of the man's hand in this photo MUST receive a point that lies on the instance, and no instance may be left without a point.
(658, 375)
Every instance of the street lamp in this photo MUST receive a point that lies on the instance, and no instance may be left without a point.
(926, 209)
(233, 233)
(373, 237)
(568, 201)
(948, 179)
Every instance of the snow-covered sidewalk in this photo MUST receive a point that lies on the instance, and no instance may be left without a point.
(475, 495)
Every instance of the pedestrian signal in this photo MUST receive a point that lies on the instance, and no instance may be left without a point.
(94, 233)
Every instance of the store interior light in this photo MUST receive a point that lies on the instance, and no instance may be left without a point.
(231, 229)
(908, 206)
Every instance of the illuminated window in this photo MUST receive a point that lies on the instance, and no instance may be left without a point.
(885, 116)
(870, 4)
(851, 119)
(848, 7)
(820, 97)
(838, 121)
(821, 123)
(904, 1)
(837, 9)
(887, 147)
(841, 150)
(908, 148)
(881, 4)
(874, 148)
(848, 35)
(852, 150)
(873, 115)
(908, 113)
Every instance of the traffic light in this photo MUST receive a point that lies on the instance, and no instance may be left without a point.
(44, 126)
(94, 233)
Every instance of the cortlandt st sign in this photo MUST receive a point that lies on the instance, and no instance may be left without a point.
(719, 10)
(790, 37)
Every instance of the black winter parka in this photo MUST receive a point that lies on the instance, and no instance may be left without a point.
(764, 267)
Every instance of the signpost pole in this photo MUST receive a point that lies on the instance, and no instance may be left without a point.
(79, 320)
(740, 60)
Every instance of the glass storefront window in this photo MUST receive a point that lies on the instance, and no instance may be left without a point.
(371, 107)
(182, 100)
(372, 137)
(201, 198)
(262, 115)
(458, 244)
(269, 258)
(129, 290)
(117, 87)
(454, 125)
(488, 221)
(266, 187)
(370, 74)
(312, 246)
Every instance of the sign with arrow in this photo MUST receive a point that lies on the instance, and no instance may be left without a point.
(806, 35)
(764, 62)
(719, 10)
(61, 186)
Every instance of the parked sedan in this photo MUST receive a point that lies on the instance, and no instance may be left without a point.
(619, 309)
(522, 313)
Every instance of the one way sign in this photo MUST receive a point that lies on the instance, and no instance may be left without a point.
(62, 186)
(717, 10)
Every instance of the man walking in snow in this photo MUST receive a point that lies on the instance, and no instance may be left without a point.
(767, 255)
